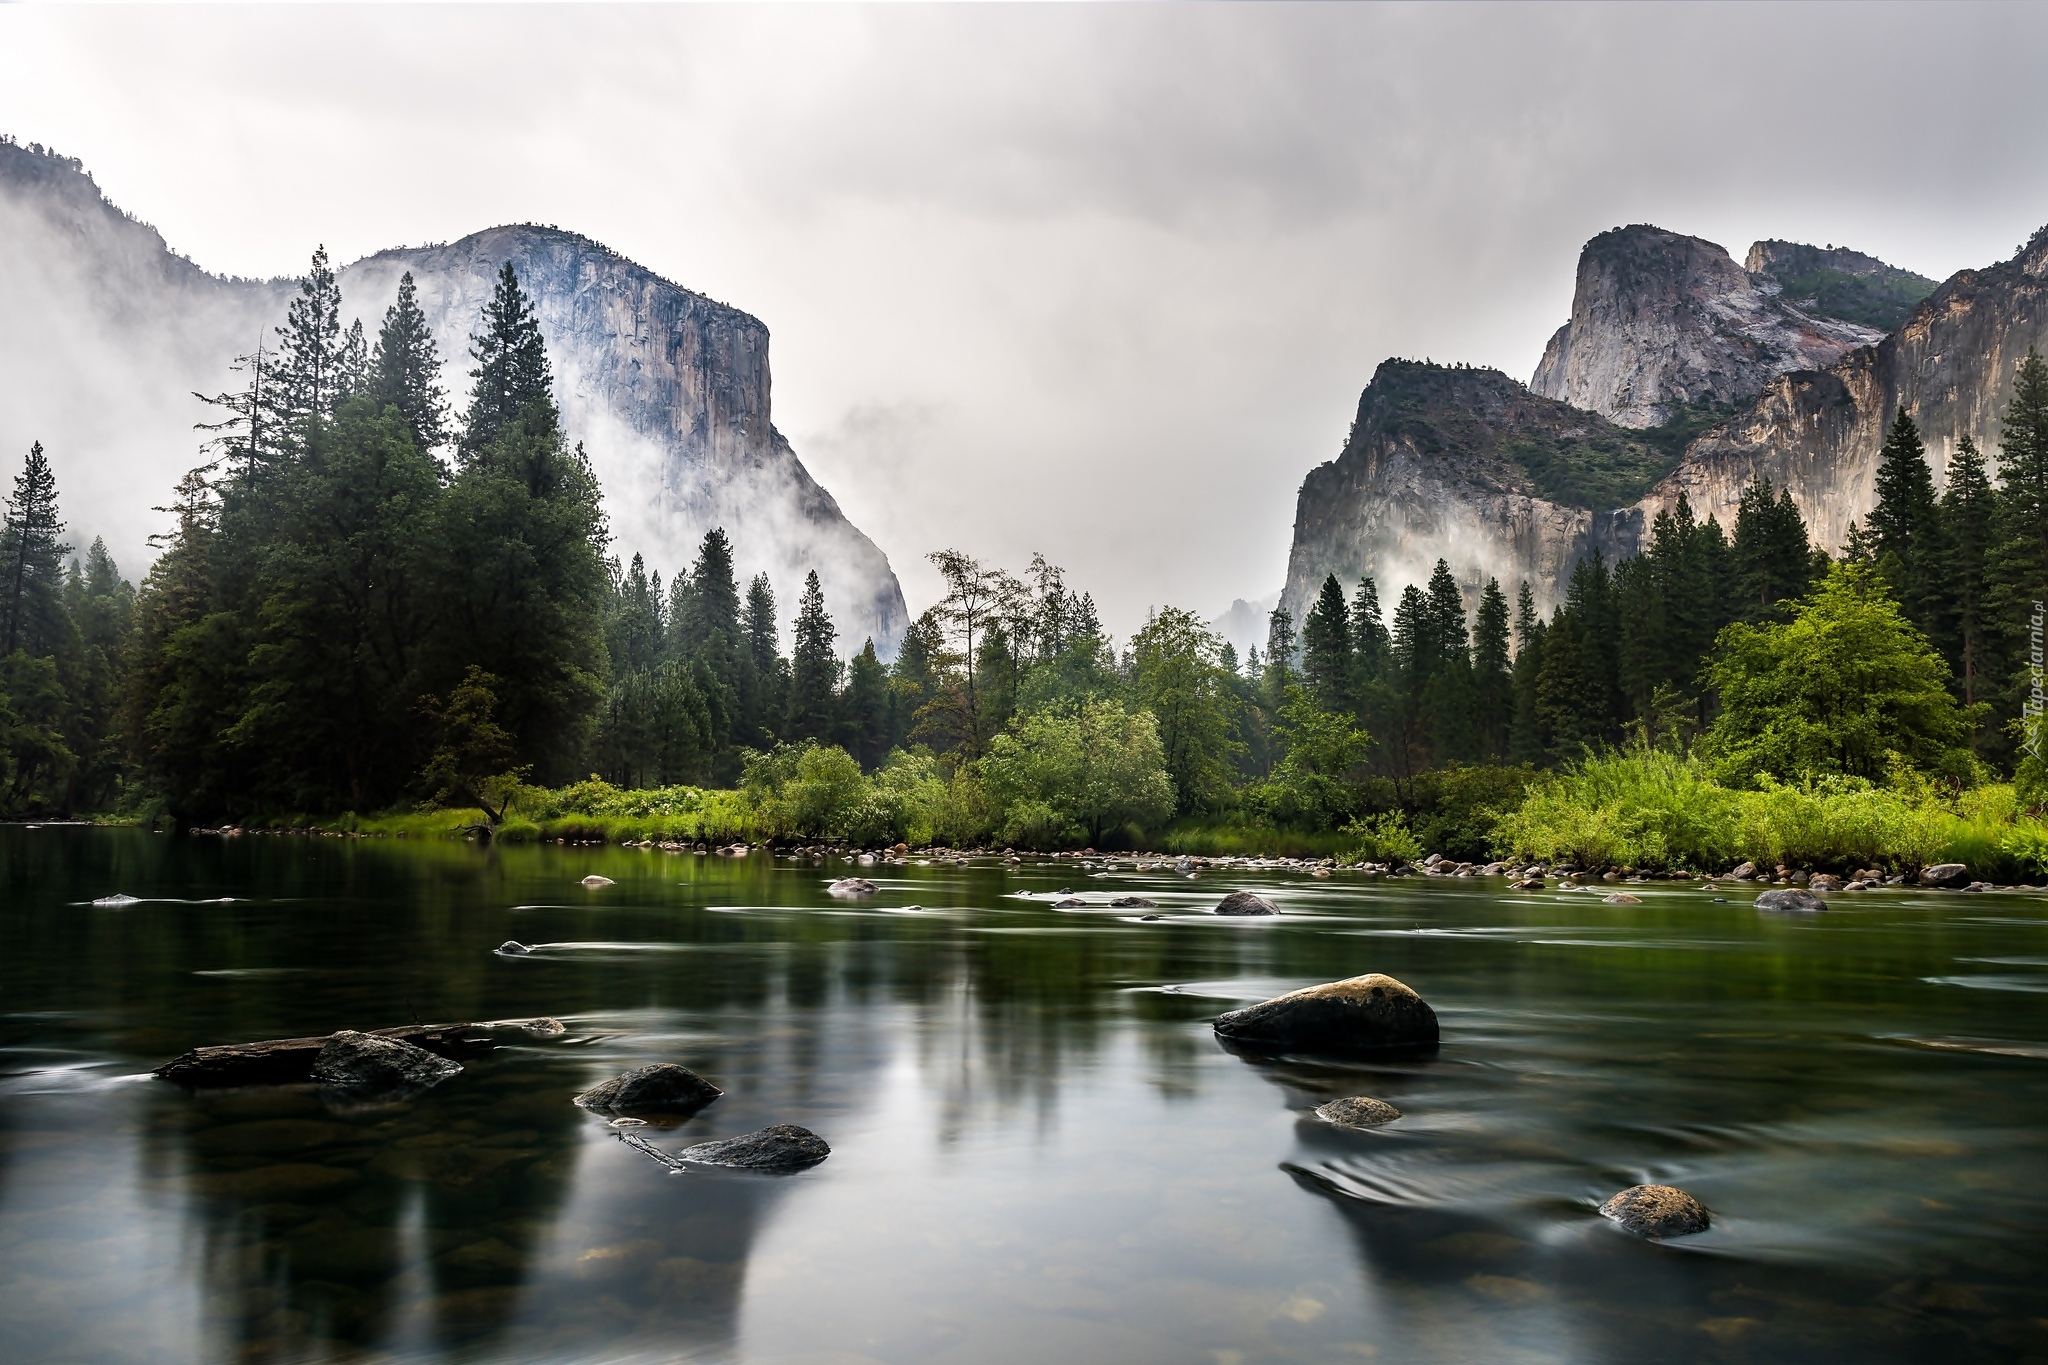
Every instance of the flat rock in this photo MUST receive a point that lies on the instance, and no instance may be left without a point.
(850, 887)
(1362, 1013)
(1657, 1211)
(1950, 876)
(1070, 903)
(1357, 1111)
(287, 1061)
(783, 1147)
(1790, 899)
(1246, 903)
(1621, 898)
(367, 1063)
(661, 1088)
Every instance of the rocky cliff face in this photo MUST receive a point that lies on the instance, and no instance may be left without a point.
(1468, 466)
(1951, 364)
(1661, 320)
(110, 333)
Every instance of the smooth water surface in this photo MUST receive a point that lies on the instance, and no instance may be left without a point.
(1039, 1150)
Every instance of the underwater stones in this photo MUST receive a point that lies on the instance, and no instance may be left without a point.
(1657, 1211)
(1792, 900)
(1363, 1013)
(660, 1088)
(512, 947)
(1150, 919)
(1245, 903)
(1131, 903)
(1621, 898)
(593, 881)
(364, 1063)
(1357, 1111)
(781, 1147)
(848, 888)
(1948, 876)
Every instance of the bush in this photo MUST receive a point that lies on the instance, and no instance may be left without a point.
(1383, 838)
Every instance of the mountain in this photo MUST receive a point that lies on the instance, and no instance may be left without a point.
(111, 333)
(1680, 372)
(1661, 321)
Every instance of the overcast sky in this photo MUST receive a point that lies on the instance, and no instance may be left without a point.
(1102, 281)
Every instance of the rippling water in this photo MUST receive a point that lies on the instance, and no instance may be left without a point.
(1039, 1150)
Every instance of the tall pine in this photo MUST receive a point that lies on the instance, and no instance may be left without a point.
(813, 667)
(406, 372)
(1904, 528)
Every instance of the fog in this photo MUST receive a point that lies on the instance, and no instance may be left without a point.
(1103, 282)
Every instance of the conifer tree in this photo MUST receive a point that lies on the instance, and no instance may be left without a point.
(512, 376)
(813, 668)
(1369, 638)
(865, 729)
(1326, 662)
(2018, 566)
(1452, 725)
(1280, 651)
(309, 372)
(1492, 675)
(406, 371)
(1527, 743)
(1967, 514)
(32, 557)
(352, 364)
(1773, 561)
(768, 671)
(1904, 528)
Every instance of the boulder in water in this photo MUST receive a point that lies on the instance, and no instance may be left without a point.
(783, 1147)
(1791, 899)
(847, 888)
(365, 1063)
(1621, 898)
(1657, 1211)
(1070, 903)
(512, 947)
(1361, 1014)
(1246, 903)
(593, 881)
(1357, 1111)
(1948, 876)
(1824, 881)
(662, 1088)
(1743, 872)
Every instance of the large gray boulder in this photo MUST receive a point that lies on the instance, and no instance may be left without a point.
(1361, 1014)
(783, 1147)
(852, 888)
(1793, 899)
(1357, 1111)
(1949, 876)
(365, 1064)
(1246, 903)
(1657, 1211)
(662, 1088)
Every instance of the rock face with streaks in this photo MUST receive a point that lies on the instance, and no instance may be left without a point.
(668, 390)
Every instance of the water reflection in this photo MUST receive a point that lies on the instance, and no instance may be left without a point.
(1039, 1148)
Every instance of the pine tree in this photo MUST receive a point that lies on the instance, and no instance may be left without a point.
(633, 635)
(767, 672)
(32, 557)
(1904, 527)
(813, 668)
(2018, 563)
(1453, 722)
(1326, 661)
(1369, 638)
(1527, 743)
(1492, 672)
(866, 729)
(310, 367)
(352, 364)
(1967, 512)
(1280, 651)
(514, 382)
(1773, 560)
(406, 372)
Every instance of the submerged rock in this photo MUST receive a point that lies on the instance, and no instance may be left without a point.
(662, 1088)
(1793, 899)
(783, 1147)
(1357, 1111)
(512, 947)
(1131, 903)
(1070, 903)
(364, 1063)
(1657, 1211)
(543, 1027)
(119, 900)
(1526, 884)
(1621, 898)
(1150, 918)
(593, 881)
(849, 887)
(1245, 903)
(1362, 1013)
(1949, 876)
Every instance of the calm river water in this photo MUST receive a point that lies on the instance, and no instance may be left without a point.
(1040, 1153)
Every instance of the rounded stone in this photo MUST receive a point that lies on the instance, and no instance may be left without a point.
(366, 1063)
(1794, 899)
(1357, 1111)
(849, 887)
(512, 947)
(1363, 1013)
(1950, 876)
(1245, 903)
(662, 1088)
(594, 881)
(782, 1147)
(1131, 903)
(1621, 898)
(1657, 1211)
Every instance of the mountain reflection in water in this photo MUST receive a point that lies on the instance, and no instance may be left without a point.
(1039, 1150)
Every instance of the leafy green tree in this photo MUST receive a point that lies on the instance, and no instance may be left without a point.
(1843, 686)
(406, 370)
(473, 756)
(1318, 784)
(814, 667)
(1177, 675)
(1068, 774)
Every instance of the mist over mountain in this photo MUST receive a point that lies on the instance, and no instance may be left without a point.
(111, 333)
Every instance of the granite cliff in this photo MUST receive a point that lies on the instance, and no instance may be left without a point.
(668, 390)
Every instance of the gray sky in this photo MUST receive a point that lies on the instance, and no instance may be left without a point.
(1102, 281)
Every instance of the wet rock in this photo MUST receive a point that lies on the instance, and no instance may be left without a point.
(848, 888)
(1245, 903)
(1363, 1013)
(367, 1064)
(1657, 1211)
(1526, 884)
(1790, 900)
(1070, 903)
(1150, 918)
(543, 1027)
(1493, 869)
(594, 881)
(662, 1088)
(512, 947)
(1131, 903)
(1949, 876)
(1744, 872)
(783, 1147)
(1621, 898)
(1823, 881)
(1357, 1111)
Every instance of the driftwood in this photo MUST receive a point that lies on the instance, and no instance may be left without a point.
(281, 1061)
